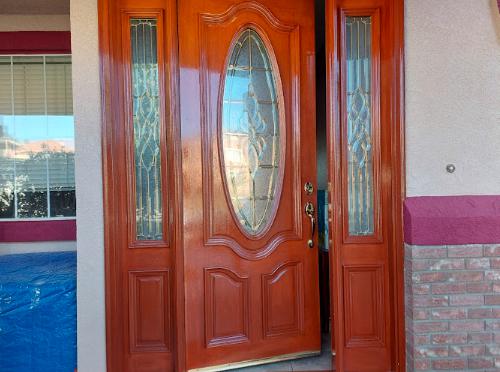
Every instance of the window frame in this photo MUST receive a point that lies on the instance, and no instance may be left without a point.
(44, 229)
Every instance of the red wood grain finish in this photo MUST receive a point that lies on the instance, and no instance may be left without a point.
(226, 307)
(283, 313)
(150, 322)
(367, 271)
(209, 293)
(283, 296)
(363, 304)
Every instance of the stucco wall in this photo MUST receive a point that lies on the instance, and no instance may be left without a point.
(17, 22)
(452, 96)
(90, 243)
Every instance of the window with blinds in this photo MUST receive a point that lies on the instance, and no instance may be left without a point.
(37, 147)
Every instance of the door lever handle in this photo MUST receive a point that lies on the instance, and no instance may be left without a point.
(309, 210)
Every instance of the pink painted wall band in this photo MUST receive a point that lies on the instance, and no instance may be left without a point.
(37, 231)
(35, 42)
(452, 220)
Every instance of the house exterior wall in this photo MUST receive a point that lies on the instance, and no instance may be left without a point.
(452, 100)
(452, 270)
(452, 96)
(88, 163)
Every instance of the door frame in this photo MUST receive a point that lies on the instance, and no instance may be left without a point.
(110, 189)
(398, 171)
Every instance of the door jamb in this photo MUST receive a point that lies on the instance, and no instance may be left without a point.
(398, 168)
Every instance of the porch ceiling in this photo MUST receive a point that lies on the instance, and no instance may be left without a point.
(34, 6)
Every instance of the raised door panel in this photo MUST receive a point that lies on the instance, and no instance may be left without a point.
(149, 307)
(283, 300)
(363, 304)
(226, 307)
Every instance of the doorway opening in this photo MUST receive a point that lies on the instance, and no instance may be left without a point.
(327, 347)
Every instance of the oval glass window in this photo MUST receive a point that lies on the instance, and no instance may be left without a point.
(251, 144)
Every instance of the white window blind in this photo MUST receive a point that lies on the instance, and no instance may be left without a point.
(36, 137)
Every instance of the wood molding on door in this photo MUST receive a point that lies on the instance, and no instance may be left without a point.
(367, 269)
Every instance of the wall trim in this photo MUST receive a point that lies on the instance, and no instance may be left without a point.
(35, 42)
(452, 220)
(37, 231)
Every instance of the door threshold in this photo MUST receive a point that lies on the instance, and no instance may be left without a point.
(256, 362)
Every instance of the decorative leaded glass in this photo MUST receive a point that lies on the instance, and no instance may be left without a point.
(359, 125)
(251, 132)
(146, 120)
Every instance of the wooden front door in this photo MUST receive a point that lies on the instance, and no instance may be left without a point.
(248, 143)
(364, 78)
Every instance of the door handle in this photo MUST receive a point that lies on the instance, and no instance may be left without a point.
(309, 210)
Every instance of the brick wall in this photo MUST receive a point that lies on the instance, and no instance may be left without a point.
(452, 307)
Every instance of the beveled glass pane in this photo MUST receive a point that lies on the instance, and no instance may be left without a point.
(251, 132)
(359, 125)
(146, 120)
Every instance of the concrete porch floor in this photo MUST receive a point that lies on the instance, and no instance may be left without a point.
(322, 362)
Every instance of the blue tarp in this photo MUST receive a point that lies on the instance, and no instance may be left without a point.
(38, 312)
